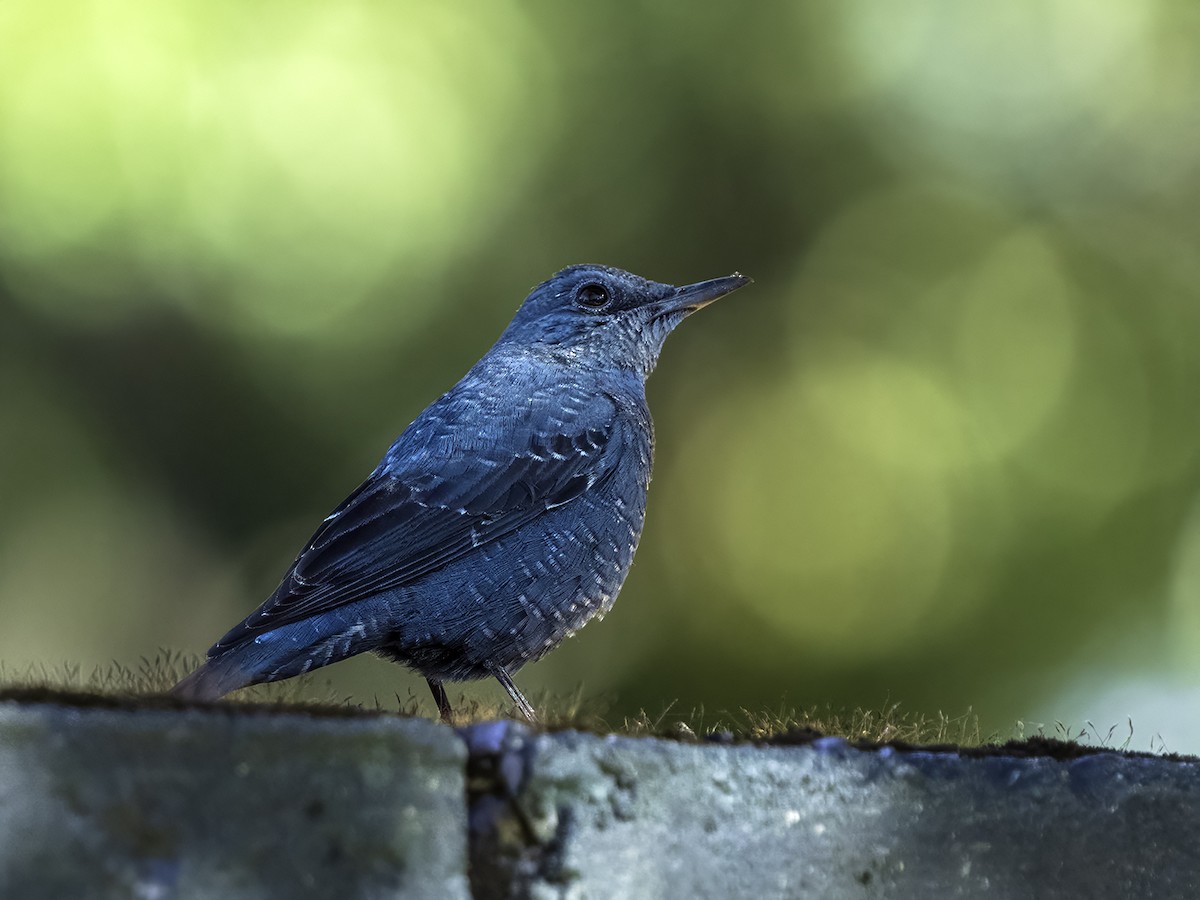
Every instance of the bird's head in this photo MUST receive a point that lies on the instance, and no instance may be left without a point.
(601, 316)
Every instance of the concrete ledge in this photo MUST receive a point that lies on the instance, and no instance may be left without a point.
(223, 803)
(572, 815)
(195, 803)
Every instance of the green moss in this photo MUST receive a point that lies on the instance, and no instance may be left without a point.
(148, 682)
(146, 685)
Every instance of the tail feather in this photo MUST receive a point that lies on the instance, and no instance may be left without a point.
(213, 680)
(274, 655)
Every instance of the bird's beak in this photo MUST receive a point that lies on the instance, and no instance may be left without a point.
(692, 297)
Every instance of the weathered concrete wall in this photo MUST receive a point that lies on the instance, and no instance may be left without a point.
(621, 817)
(190, 803)
(168, 803)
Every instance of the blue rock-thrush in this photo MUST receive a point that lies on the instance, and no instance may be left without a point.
(502, 519)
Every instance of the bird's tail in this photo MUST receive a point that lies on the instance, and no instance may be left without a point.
(214, 679)
(284, 652)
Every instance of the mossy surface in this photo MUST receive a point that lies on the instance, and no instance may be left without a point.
(146, 686)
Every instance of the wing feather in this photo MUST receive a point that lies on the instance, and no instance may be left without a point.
(405, 523)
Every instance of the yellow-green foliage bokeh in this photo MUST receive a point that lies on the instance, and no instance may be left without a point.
(944, 451)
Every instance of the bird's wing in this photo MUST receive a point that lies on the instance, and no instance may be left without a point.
(404, 523)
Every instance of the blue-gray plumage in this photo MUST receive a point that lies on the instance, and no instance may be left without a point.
(501, 520)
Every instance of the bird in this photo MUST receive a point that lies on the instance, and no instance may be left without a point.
(501, 521)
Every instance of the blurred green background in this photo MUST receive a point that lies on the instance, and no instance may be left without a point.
(944, 451)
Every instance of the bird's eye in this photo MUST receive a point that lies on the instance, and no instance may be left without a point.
(593, 296)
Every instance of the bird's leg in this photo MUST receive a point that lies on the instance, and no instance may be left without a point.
(440, 698)
(518, 698)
